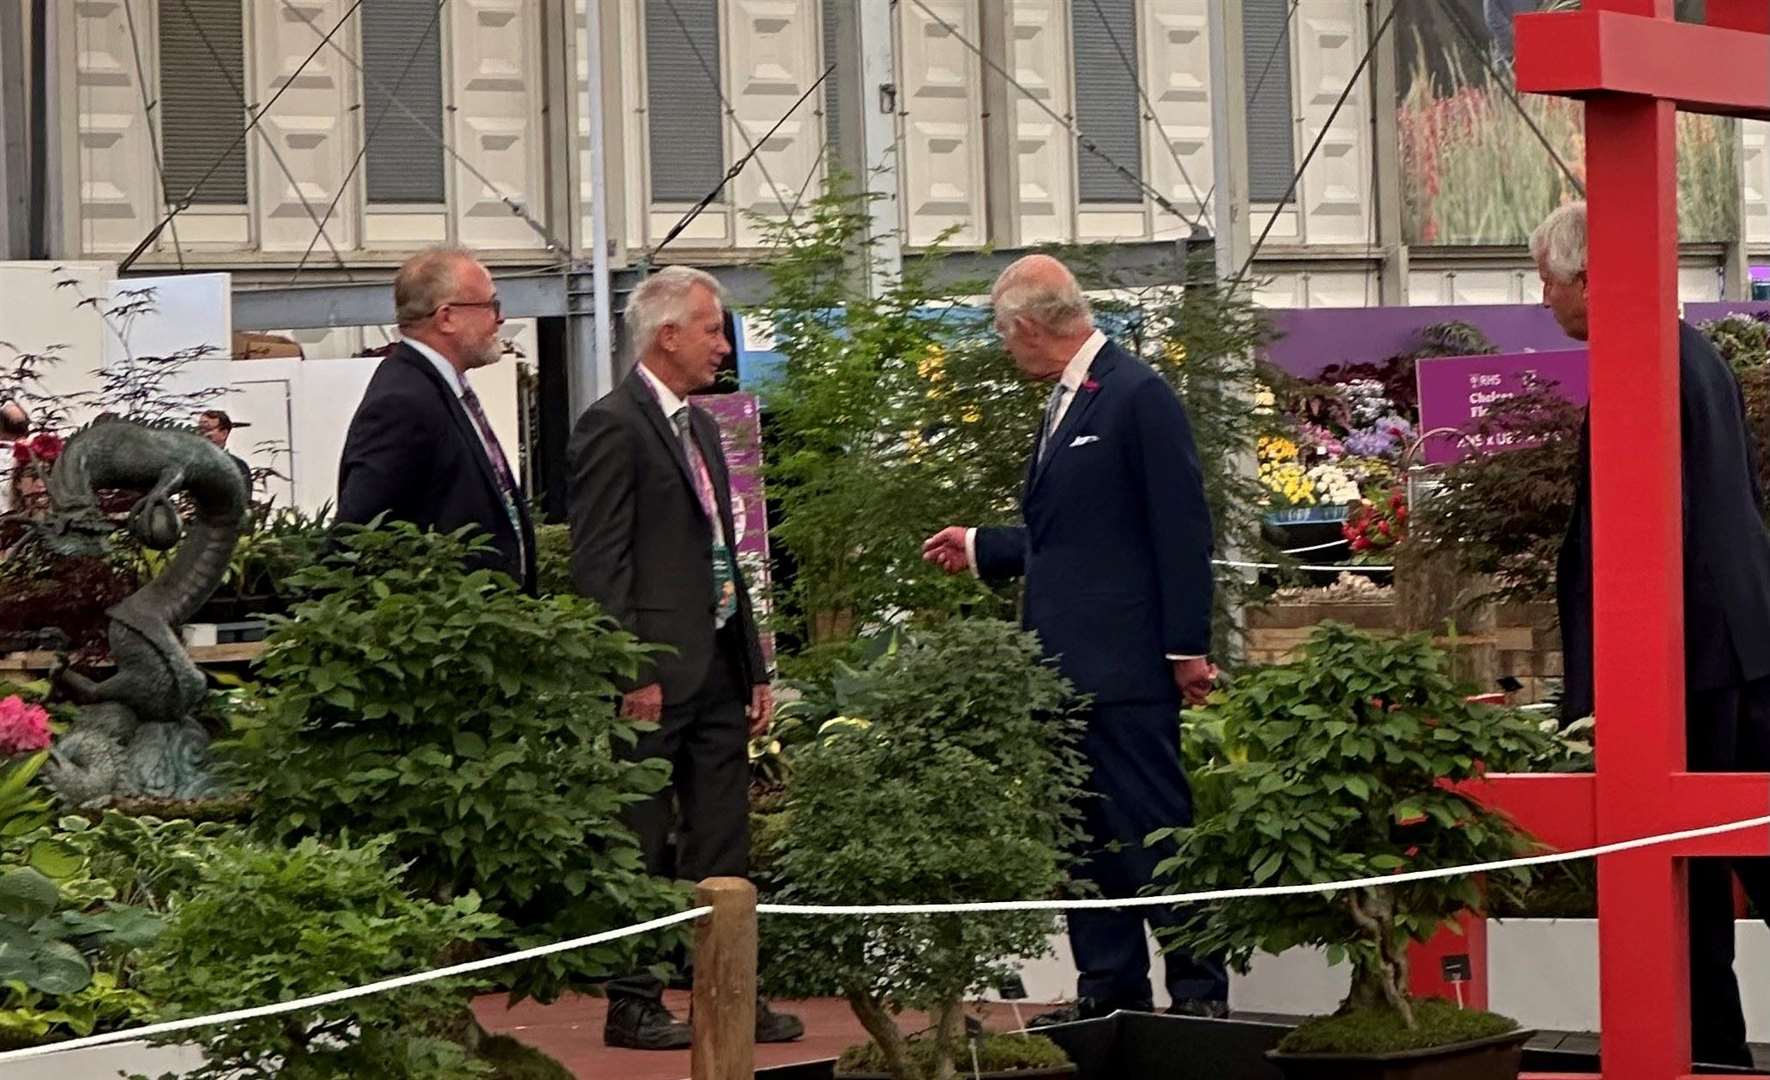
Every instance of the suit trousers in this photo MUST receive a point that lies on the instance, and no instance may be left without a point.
(1728, 730)
(706, 808)
(1137, 785)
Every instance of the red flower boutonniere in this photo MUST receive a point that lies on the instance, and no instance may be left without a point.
(1090, 385)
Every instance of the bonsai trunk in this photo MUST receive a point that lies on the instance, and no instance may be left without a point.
(949, 1033)
(1385, 982)
(882, 1029)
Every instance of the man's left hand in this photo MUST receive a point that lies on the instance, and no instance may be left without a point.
(761, 710)
(1194, 678)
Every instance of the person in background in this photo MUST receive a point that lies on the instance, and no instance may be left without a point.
(216, 426)
(15, 424)
(1726, 616)
(1116, 553)
(653, 542)
(420, 447)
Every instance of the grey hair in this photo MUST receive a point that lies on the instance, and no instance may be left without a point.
(426, 281)
(1559, 243)
(1053, 304)
(663, 300)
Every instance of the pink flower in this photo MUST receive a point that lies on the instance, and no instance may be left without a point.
(1090, 385)
(24, 728)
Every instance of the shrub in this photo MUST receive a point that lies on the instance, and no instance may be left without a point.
(1339, 766)
(959, 785)
(473, 725)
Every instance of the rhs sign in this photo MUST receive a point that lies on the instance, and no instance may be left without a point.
(1458, 392)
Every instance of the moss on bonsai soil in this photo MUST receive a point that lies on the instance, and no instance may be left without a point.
(1380, 1031)
(996, 1053)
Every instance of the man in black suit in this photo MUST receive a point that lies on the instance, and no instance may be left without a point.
(652, 542)
(420, 447)
(1726, 617)
(216, 426)
(1116, 552)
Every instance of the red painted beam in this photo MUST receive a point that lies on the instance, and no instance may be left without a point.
(1559, 809)
(1705, 69)
(1752, 15)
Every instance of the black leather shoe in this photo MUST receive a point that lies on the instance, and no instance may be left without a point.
(1087, 1009)
(644, 1024)
(1205, 1007)
(776, 1027)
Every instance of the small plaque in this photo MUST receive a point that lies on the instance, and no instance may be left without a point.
(1457, 969)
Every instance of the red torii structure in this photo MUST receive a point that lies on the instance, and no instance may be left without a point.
(1634, 66)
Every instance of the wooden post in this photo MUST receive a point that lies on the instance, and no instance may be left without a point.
(725, 981)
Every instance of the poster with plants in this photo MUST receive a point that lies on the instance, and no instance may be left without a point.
(1482, 163)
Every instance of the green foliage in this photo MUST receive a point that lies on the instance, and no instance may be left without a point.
(1742, 340)
(959, 785)
(261, 924)
(1381, 1031)
(1334, 767)
(473, 725)
(30, 1017)
(553, 560)
(995, 1053)
(512, 1060)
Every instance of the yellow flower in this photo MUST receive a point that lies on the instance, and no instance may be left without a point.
(971, 415)
(1174, 352)
(1273, 448)
(933, 364)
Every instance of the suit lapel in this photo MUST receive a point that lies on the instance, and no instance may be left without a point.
(1078, 410)
(463, 423)
(653, 411)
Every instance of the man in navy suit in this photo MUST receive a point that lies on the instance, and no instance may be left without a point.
(1116, 552)
(420, 447)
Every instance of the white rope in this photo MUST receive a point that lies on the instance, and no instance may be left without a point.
(1315, 547)
(1268, 890)
(239, 1015)
(1355, 568)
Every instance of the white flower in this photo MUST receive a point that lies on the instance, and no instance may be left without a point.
(1333, 484)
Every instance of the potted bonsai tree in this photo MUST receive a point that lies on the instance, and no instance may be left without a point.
(958, 785)
(1338, 766)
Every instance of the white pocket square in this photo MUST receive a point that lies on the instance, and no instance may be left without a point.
(1083, 440)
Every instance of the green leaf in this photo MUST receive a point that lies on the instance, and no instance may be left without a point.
(469, 745)
(27, 895)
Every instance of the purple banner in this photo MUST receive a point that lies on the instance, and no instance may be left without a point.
(1456, 392)
(740, 433)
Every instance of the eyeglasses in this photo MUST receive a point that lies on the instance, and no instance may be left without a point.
(494, 303)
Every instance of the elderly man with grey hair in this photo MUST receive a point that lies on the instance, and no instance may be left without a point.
(653, 543)
(1115, 547)
(420, 447)
(1726, 615)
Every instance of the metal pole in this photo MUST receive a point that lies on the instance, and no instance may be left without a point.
(593, 368)
(878, 110)
(1386, 158)
(15, 158)
(1229, 136)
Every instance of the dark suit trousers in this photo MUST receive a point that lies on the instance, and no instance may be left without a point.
(1137, 786)
(1728, 731)
(705, 740)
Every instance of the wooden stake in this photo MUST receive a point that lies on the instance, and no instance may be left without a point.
(725, 981)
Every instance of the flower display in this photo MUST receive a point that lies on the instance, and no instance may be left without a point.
(1333, 485)
(24, 727)
(1289, 482)
(42, 447)
(1379, 522)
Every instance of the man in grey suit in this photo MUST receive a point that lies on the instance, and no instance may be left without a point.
(652, 542)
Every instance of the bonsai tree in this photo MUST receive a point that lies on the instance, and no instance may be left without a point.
(1343, 765)
(959, 785)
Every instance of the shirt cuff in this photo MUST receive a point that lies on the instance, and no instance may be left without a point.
(971, 552)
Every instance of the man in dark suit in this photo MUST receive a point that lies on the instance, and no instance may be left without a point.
(652, 542)
(1726, 617)
(420, 447)
(1116, 552)
(216, 426)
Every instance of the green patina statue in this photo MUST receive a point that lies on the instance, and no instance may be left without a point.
(136, 735)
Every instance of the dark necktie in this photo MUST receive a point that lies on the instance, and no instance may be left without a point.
(500, 467)
(1052, 405)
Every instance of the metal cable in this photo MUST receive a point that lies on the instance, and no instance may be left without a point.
(1320, 136)
(370, 83)
(1499, 80)
(147, 115)
(368, 138)
(1086, 143)
(269, 144)
(185, 202)
(736, 167)
(1143, 96)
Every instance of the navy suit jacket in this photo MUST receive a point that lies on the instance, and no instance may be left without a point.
(1726, 549)
(1116, 549)
(414, 454)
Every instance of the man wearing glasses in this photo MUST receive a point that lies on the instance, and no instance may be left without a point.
(420, 447)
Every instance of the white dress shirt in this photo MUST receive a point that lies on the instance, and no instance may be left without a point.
(456, 380)
(1074, 374)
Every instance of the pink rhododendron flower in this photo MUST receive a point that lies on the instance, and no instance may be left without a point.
(24, 728)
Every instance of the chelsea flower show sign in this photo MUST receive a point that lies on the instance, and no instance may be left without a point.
(1458, 392)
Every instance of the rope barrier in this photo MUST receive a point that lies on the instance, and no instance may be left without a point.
(417, 978)
(317, 1000)
(1352, 568)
